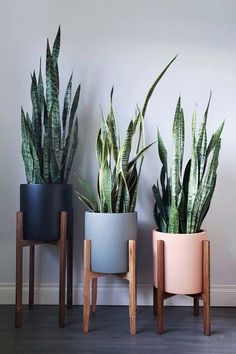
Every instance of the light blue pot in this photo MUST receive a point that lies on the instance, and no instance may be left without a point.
(109, 234)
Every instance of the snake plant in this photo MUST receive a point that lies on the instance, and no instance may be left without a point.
(183, 198)
(49, 139)
(119, 173)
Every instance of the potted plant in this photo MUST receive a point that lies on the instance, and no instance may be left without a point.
(49, 141)
(112, 220)
(182, 202)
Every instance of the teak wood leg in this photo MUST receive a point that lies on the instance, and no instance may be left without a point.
(89, 276)
(154, 300)
(206, 288)
(62, 245)
(31, 276)
(19, 268)
(159, 294)
(196, 305)
(161, 287)
(86, 295)
(132, 287)
(69, 274)
(94, 294)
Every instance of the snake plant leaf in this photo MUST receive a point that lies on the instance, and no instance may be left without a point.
(88, 193)
(46, 145)
(126, 148)
(85, 201)
(202, 143)
(66, 108)
(114, 132)
(205, 190)
(162, 152)
(36, 114)
(140, 154)
(159, 201)
(74, 108)
(126, 196)
(70, 128)
(25, 149)
(40, 91)
(72, 152)
(134, 197)
(54, 168)
(206, 205)
(178, 150)
(152, 88)
(149, 95)
(193, 183)
(214, 139)
(173, 226)
(99, 146)
(56, 130)
(56, 47)
(107, 186)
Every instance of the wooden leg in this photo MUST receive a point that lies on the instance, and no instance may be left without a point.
(94, 294)
(69, 274)
(206, 288)
(62, 245)
(19, 268)
(86, 295)
(160, 289)
(196, 306)
(154, 300)
(31, 277)
(132, 286)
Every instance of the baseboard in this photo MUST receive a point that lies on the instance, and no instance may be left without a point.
(115, 294)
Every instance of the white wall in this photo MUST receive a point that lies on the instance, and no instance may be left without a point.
(125, 43)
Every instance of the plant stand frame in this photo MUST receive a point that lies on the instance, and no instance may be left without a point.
(89, 276)
(159, 294)
(66, 256)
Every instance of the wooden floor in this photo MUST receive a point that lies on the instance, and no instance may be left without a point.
(109, 332)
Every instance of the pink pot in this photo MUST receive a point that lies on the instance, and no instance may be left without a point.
(182, 261)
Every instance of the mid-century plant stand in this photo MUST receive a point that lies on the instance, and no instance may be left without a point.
(89, 276)
(159, 294)
(66, 253)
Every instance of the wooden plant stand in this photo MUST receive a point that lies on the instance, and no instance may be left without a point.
(159, 294)
(130, 276)
(66, 253)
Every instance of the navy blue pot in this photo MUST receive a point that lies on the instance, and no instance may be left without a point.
(41, 205)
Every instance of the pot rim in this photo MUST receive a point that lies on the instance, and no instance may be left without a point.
(46, 184)
(97, 213)
(201, 232)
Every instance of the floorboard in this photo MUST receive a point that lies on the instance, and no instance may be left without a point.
(109, 332)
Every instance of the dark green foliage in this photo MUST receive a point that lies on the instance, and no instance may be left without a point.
(119, 174)
(49, 141)
(185, 198)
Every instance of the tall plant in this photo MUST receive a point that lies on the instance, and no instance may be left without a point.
(119, 173)
(183, 199)
(49, 139)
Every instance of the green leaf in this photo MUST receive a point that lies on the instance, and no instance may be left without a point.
(152, 88)
(56, 47)
(66, 108)
(72, 152)
(173, 220)
(88, 194)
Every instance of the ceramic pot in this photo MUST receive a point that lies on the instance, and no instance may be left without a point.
(41, 205)
(182, 261)
(109, 234)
